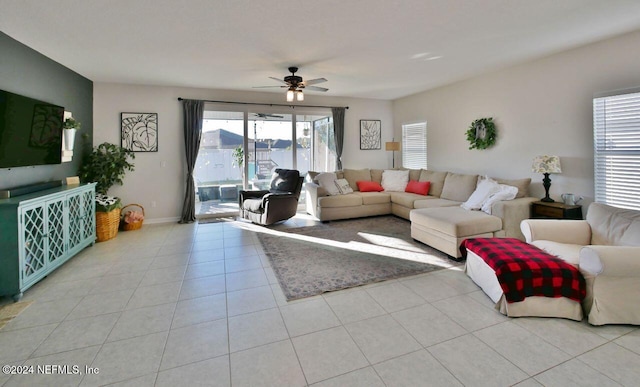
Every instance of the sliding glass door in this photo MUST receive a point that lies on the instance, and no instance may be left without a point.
(270, 147)
(219, 171)
(242, 148)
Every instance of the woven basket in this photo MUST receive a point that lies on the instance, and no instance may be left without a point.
(107, 224)
(124, 226)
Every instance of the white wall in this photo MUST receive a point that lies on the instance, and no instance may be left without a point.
(160, 177)
(541, 107)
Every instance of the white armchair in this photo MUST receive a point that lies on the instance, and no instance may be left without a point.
(606, 247)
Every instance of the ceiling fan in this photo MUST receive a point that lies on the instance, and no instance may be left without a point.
(295, 84)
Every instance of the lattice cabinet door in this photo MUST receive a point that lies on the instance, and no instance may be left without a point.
(76, 226)
(81, 207)
(89, 214)
(33, 255)
(55, 230)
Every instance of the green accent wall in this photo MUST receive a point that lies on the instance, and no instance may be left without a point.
(27, 72)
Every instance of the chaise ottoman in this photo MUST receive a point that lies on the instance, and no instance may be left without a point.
(444, 228)
(523, 280)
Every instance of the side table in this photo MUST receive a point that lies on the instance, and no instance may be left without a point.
(555, 210)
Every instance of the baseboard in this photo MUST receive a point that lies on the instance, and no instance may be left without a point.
(162, 220)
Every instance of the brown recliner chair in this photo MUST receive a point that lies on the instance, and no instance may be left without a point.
(280, 202)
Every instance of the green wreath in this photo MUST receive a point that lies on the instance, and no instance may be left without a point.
(481, 133)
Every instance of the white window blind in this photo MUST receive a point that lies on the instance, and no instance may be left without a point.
(414, 145)
(616, 140)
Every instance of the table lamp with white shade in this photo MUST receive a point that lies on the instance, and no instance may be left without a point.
(546, 165)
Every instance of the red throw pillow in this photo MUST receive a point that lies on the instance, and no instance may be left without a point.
(369, 186)
(418, 187)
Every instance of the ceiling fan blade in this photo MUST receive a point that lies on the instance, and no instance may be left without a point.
(316, 88)
(267, 115)
(278, 79)
(265, 87)
(314, 81)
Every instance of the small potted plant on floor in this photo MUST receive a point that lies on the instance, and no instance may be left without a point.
(106, 165)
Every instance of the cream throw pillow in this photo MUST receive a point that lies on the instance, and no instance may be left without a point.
(393, 180)
(343, 186)
(506, 192)
(327, 180)
(486, 187)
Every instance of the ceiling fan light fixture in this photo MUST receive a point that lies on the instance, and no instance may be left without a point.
(290, 95)
(299, 95)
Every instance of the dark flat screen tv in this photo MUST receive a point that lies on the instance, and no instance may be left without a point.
(30, 131)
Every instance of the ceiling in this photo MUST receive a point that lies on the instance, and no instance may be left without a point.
(382, 49)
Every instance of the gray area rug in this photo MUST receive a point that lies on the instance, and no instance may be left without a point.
(346, 253)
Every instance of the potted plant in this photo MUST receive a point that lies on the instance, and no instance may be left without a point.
(70, 127)
(106, 165)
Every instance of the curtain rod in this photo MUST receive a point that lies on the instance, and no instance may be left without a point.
(266, 104)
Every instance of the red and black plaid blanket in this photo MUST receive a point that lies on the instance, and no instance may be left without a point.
(524, 270)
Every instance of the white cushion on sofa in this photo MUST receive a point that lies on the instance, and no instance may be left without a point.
(506, 192)
(327, 180)
(393, 180)
(486, 188)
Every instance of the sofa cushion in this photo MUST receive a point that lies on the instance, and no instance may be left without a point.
(434, 202)
(569, 253)
(521, 184)
(414, 174)
(436, 179)
(456, 221)
(393, 180)
(374, 197)
(406, 199)
(354, 175)
(376, 175)
(458, 186)
(347, 200)
(418, 187)
(613, 226)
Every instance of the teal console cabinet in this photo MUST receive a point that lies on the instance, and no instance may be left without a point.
(42, 230)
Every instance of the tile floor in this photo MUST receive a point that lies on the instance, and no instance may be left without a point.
(198, 304)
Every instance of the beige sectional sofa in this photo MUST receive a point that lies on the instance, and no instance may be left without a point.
(437, 219)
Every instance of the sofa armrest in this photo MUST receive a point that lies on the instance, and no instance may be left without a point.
(244, 195)
(512, 212)
(613, 261)
(313, 192)
(577, 232)
(277, 196)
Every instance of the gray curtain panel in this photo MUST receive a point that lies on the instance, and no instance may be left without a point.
(193, 114)
(338, 132)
